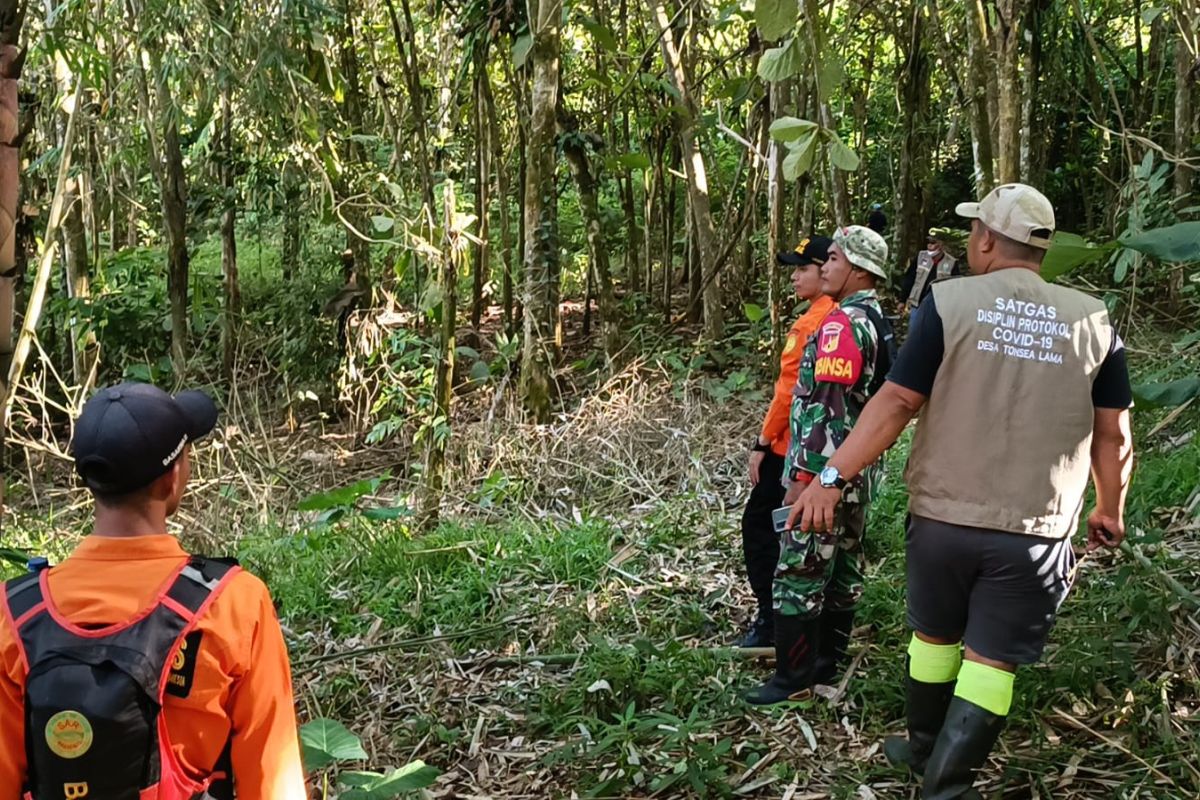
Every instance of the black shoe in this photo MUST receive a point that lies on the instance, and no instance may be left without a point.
(796, 643)
(761, 633)
(835, 636)
(925, 706)
(967, 737)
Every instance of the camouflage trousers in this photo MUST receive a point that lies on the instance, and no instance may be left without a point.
(821, 570)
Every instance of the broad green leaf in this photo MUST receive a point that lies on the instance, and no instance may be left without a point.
(1165, 395)
(1069, 251)
(324, 742)
(342, 496)
(383, 224)
(480, 371)
(789, 129)
(467, 352)
(781, 63)
(1151, 14)
(386, 514)
(520, 50)
(776, 18)
(373, 786)
(600, 34)
(1175, 243)
(754, 313)
(840, 154)
(800, 156)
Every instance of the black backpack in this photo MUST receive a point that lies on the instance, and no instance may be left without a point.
(886, 350)
(93, 696)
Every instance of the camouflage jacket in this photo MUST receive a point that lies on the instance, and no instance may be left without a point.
(831, 389)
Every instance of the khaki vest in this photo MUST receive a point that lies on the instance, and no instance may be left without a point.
(1004, 440)
(924, 270)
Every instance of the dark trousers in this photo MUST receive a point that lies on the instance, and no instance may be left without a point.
(760, 542)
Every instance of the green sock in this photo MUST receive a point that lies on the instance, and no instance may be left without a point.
(986, 687)
(933, 663)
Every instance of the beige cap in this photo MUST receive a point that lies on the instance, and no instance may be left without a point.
(1018, 211)
(864, 248)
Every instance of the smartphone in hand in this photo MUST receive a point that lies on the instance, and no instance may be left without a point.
(779, 518)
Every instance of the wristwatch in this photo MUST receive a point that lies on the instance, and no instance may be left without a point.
(830, 478)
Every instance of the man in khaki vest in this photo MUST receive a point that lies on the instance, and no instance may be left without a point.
(1023, 390)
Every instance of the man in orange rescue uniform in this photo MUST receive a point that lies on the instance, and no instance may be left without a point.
(224, 685)
(760, 542)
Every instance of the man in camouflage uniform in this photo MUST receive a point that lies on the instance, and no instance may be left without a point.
(818, 580)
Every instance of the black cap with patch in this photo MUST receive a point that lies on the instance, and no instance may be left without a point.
(814, 250)
(129, 435)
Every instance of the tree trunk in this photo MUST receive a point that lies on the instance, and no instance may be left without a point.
(352, 111)
(778, 97)
(229, 266)
(11, 61)
(541, 215)
(479, 265)
(406, 46)
(597, 251)
(1184, 89)
(502, 190)
(1007, 46)
(695, 267)
(980, 83)
(75, 258)
(290, 251)
(915, 146)
(667, 210)
(174, 205)
(1030, 79)
(435, 462)
(697, 177)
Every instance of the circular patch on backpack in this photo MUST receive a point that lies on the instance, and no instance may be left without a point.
(69, 734)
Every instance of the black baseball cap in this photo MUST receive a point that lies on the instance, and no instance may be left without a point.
(812, 250)
(130, 434)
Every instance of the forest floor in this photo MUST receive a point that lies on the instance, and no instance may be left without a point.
(564, 630)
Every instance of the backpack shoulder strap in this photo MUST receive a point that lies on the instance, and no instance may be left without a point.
(199, 581)
(24, 596)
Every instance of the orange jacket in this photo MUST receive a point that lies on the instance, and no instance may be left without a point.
(775, 427)
(241, 682)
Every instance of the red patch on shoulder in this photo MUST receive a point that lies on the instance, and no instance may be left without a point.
(838, 357)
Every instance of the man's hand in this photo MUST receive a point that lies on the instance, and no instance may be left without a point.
(1104, 530)
(756, 459)
(815, 509)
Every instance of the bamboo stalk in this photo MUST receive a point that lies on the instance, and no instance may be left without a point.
(37, 294)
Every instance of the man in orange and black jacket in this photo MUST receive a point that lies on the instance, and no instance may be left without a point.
(228, 699)
(760, 542)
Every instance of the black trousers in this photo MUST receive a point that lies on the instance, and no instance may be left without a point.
(760, 543)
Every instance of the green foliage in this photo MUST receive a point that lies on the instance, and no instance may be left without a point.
(776, 18)
(783, 62)
(1069, 251)
(1166, 395)
(1175, 243)
(326, 742)
(337, 504)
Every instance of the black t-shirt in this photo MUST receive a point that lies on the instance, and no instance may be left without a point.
(921, 356)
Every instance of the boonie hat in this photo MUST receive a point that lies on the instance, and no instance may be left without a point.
(130, 434)
(811, 250)
(864, 248)
(1020, 212)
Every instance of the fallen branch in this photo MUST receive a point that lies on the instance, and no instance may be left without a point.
(405, 644)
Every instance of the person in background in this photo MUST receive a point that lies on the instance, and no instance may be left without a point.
(760, 542)
(877, 220)
(932, 263)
